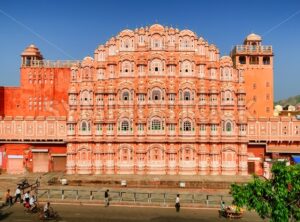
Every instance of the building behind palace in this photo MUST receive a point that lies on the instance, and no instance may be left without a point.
(154, 100)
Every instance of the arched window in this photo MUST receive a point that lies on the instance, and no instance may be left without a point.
(226, 73)
(87, 73)
(186, 43)
(242, 60)
(85, 127)
(187, 126)
(126, 43)
(72, 99)
(141, 39)
(186, 154)
(125, 96)
(156, 95)
(186, 96)
(126, 67)
(228, 97)
(85, 98)
(101, 56)
(254, 60)
(266, 60)
(74, 74)
(156, 124)
(125, 125)
(112, 50)
(100, 74)
(228, 127)
(186, 67)
(202, 50)
(229, 158)
(156, 65)
(155, 154)
(171, 40)
(212, 56)
(156, 42)
(125, 154)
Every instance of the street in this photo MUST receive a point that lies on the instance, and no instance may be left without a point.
(84, 213)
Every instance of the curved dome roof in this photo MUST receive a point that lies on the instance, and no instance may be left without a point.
(156, 27)
(127, 32)
(187, 32)
(87, 61)
(87, 58)
(253, 37)
(32, 50)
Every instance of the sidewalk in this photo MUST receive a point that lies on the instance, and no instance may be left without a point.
(163, 183)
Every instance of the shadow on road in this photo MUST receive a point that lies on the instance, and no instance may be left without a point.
(4, 216)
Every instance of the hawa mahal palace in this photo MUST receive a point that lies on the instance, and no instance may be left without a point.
(154, 100)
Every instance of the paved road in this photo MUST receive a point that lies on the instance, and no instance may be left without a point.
(83, 213)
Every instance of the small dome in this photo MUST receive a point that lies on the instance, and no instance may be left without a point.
(187, 32)
(87, 61)
(253, 37)
(157, 28)
(32, 50)
(126, 32)
(141, 30)
(88, 58)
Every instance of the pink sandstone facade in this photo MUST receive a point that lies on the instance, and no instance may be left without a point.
(155, 100)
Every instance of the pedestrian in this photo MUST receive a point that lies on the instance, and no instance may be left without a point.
(177, 203)
(32, 203)
(47, 210)
(8, 198)
(18, 195)
(223, 207)
(26, 198)
(106, 198)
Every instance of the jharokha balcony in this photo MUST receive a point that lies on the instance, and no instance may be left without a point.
(51, 63)
(246, 49)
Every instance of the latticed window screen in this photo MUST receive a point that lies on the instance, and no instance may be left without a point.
(187, 126)
(125, 126)
(156, 125)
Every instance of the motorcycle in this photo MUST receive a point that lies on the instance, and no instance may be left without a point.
(52, 215)
(28, 209)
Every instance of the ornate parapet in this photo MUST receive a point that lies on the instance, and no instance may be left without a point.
(273, 129)
(32, 129)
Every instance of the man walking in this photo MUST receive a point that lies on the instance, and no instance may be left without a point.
(26, 198)
(177, 203)
(106, 198)
(18, 195)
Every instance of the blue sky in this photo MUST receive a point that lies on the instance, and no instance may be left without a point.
(72, 29)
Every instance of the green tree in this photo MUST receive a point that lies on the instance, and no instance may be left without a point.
(277, 198)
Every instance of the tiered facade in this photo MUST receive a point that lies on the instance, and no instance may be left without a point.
(155, 100)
